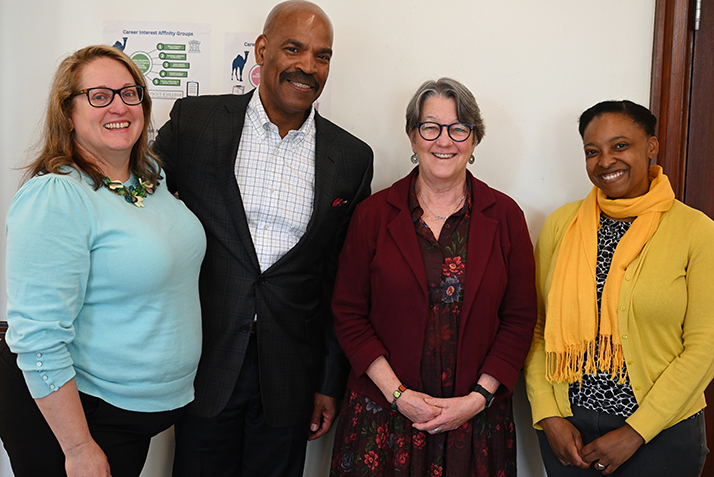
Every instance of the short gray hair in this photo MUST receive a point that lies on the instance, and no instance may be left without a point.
(467, 111)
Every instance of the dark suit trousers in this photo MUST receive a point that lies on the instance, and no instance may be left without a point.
(238, 442)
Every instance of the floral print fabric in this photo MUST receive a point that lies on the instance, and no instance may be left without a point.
(374, 441)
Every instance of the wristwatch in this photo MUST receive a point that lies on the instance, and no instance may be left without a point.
(482, 391)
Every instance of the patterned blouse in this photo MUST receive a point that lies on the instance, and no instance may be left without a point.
(599, 392)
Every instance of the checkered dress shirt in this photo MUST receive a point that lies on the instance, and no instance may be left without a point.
(276, 178)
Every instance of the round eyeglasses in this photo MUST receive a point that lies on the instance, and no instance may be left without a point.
(430, 131)
(103, 97)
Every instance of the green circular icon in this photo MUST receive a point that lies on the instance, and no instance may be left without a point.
(162, 73)
(143, 61)
(166, 64)
(160, 46)
(162, 55)
(156, 81)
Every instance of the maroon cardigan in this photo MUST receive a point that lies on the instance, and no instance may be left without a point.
(380, 299)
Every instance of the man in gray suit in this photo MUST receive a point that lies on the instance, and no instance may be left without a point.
(275, 185)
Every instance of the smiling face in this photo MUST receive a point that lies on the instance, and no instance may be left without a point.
(443, 160)
(107, 133)
(618, 154)
(294, 54)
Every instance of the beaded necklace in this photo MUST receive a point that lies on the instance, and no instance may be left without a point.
(132, 194)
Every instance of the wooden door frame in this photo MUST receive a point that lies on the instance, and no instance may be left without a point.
(672, 65)
(670, 89)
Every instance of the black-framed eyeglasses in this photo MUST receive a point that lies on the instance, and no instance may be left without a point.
(431, 131)
(103, 97)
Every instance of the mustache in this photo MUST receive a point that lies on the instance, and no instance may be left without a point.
(299, 77)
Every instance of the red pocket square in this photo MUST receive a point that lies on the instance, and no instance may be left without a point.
(338, 202)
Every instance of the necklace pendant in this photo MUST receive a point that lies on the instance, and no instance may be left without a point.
(439, 217)
(132, 194)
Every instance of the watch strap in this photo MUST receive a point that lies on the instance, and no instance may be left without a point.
(483, 392)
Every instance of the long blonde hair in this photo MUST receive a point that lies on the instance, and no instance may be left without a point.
(58, 147)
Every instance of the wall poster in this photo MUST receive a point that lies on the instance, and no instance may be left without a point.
(174, 57)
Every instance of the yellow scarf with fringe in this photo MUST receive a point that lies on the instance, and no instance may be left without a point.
(571, 323)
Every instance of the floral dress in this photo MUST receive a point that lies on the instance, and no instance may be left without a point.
(375, 441)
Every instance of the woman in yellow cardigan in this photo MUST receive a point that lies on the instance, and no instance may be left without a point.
(624, 345)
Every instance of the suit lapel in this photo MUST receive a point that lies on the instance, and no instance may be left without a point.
(228, 126)
(401, 228)
(482, 233)
(325, 172)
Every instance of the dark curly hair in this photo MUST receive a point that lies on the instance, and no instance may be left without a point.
(640, 115)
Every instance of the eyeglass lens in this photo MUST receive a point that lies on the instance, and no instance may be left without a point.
(457, 131)
(101, 97)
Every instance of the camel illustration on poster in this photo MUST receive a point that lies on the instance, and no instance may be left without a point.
(238, 64)
(119, 45)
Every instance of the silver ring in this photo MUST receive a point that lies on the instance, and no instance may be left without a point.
(599, 466)
(436, 429)
(567, 464)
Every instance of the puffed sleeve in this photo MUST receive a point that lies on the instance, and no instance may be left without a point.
(48, 233)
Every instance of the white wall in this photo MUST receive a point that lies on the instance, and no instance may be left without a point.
(532, 65)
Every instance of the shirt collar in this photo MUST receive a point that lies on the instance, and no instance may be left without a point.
(261, 123)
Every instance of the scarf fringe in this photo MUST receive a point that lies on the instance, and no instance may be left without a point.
(570, 366)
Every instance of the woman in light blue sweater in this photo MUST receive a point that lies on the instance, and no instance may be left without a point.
(104, 330)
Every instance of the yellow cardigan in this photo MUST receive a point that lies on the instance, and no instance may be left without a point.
(665, 319)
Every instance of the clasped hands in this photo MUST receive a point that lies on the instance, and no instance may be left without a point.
(605, 453)
(436, 415)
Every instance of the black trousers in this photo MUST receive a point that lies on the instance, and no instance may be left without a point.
(124, 436)
(238, 442)
(678, 451)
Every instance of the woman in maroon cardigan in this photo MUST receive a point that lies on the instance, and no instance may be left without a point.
(436, 337)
